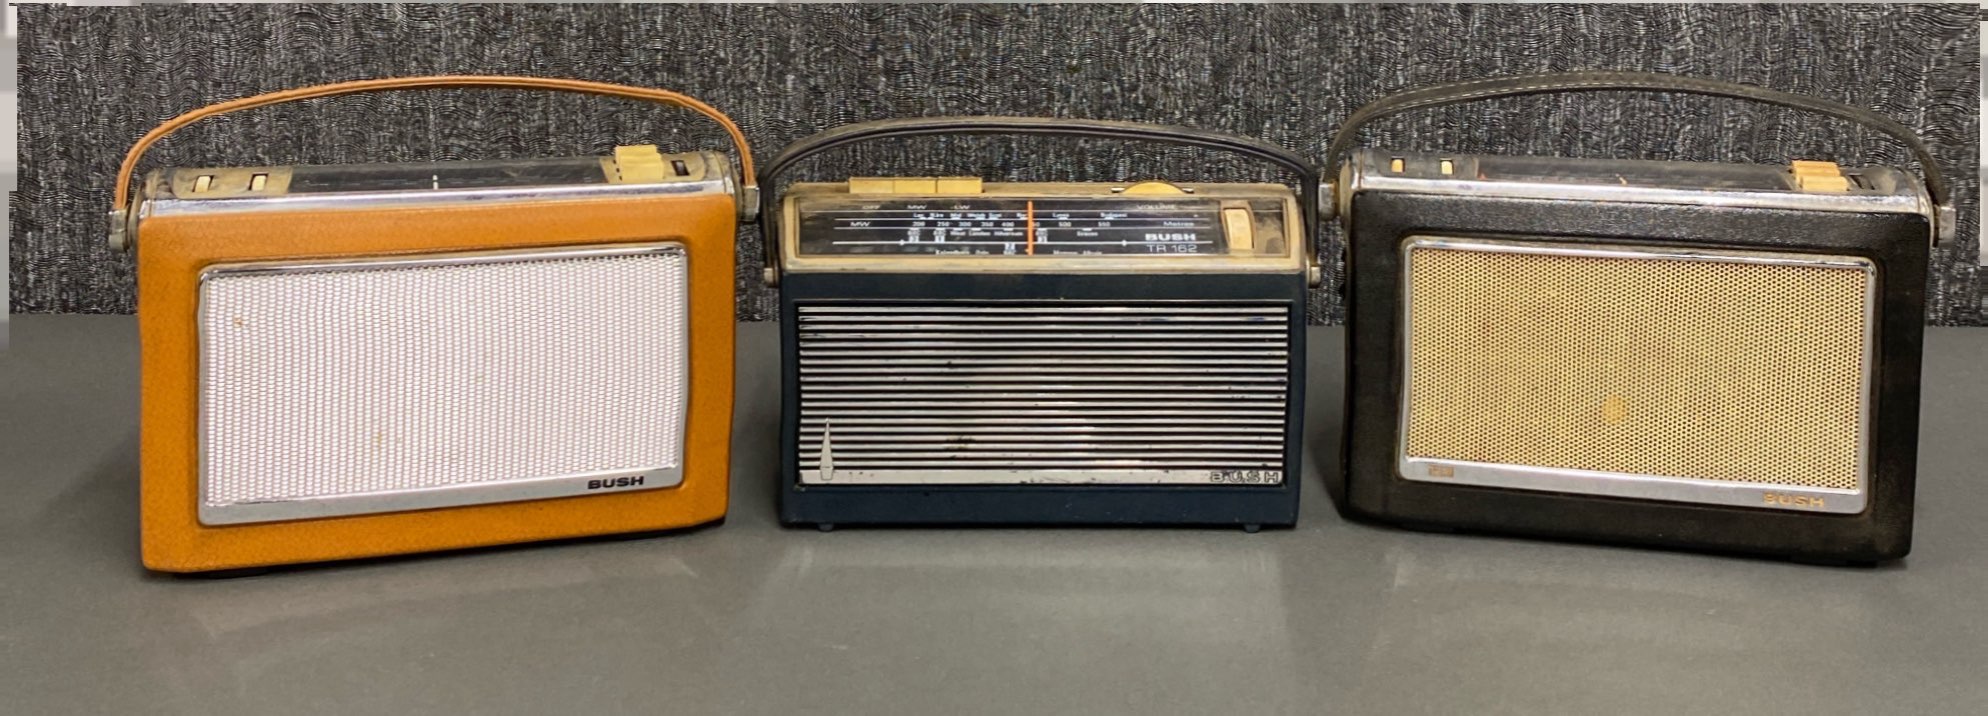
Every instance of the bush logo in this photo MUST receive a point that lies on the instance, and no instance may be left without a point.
(608, 483)
(1775, 498)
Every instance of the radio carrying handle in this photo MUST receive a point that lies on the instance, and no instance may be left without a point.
(1308, 177)
(122, 214)
(1597, 81)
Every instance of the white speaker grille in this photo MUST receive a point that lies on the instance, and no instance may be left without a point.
(379, 385)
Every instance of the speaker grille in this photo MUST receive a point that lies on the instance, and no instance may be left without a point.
(321, 382)
(1064, 392)
(1730, 368)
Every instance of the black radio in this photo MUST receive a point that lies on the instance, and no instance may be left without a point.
(1696, 355)
(960, 351)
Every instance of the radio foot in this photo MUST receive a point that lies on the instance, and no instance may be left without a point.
(1252, 528)
(825, 526)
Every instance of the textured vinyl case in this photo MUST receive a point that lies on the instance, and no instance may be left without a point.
(362, 360)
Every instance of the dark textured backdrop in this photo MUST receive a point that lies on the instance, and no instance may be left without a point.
(93, 79)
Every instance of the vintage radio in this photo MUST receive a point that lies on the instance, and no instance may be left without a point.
(1706, 356)
(362, 360)
(1040, 353)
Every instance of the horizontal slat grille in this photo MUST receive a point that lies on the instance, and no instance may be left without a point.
(1013, 393)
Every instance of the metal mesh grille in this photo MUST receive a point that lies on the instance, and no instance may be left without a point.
(1064, 392)
(1716, 370)
(320, 383)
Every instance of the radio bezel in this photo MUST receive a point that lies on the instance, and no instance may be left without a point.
(1293, 259)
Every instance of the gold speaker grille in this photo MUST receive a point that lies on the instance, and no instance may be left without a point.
(1714, 369)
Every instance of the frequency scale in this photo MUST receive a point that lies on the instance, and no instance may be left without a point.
(933, 223)
(985, 226)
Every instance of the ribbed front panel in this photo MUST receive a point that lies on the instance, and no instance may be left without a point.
(1007, 393)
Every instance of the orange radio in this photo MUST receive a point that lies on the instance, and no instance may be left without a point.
(362, 360)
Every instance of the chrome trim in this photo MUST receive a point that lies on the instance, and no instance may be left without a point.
(1042, 453)
(1265, 333)
(1095, 348)
(119, 239)
(1088, 440)
(444, 258)
(1037, 418)
(1561, 191)
(1055, 392)
(1616, 484)
(366, 503)
(923, 326)
(1025, 430)
(953, 374)
(354, 200)
(1032, 358)
(1607, 251)
(976, 312)
(1005, 403)
(748, 200)
(985, 393)
(1027, 476)
(535, 488)
(1368, 172)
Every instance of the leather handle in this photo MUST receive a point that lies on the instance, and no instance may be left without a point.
(1598, 81)
(1308, 177)
(122, 194)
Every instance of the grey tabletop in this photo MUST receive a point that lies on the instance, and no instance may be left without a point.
(747, 617)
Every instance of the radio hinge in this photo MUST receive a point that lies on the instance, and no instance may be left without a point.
(120, 231)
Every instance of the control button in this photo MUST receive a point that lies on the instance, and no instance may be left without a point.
(1241, 228)
(956, 185)
(914, 185)
(1153, 187)
(638, 164)
(870, 185)
(1819, 176)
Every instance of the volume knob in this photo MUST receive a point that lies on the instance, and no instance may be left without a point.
(1153, 187)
